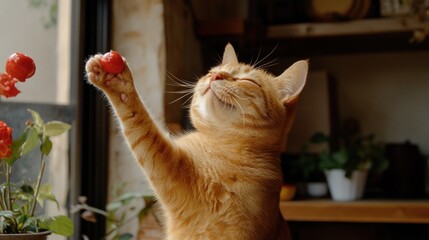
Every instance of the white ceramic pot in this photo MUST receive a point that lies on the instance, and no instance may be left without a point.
(343, 188)
(317, 189)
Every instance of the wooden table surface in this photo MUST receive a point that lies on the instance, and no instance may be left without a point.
(381, 211)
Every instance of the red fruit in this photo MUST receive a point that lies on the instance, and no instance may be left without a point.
(7, 86)
(5, 140)
(20, 66)
(112, 62)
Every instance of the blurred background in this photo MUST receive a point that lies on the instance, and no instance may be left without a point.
(369, 75)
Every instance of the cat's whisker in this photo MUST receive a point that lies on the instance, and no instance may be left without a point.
(181, 91)
(176, 84)
(179, 82)
(186, 104)
(257, 57)
(196, 77)
(218, 59)
(269, 64)
(242, 111)
(235, 95)
(231, 103)
(269, 54)
(184, 95)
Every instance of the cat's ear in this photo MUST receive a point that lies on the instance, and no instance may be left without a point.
(291, 82)
(229, 55)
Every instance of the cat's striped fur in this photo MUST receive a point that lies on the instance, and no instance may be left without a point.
(221, 181)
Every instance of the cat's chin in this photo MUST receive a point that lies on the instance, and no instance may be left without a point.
(217, 101)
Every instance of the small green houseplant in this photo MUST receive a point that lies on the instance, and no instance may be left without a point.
(313, 177)
(19, 218)
(346, 163)
(354, 152)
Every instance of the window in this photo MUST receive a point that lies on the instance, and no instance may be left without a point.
(44, 30)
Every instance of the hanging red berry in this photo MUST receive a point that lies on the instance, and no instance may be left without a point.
(7, 86)
(20, 66)
(112, 62)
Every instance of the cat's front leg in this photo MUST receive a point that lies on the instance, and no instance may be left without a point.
(166, 165)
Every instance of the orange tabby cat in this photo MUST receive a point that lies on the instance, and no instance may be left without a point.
(221, 181)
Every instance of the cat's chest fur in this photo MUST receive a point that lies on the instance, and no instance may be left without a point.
(233, 184)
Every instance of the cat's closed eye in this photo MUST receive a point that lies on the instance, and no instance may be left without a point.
(248, 80)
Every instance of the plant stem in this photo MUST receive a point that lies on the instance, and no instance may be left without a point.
(3, 205)
(39, 180)
(8, 192)
(93, 209)
(120, 225)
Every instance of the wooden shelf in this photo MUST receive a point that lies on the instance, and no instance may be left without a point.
(349, 28)
(305, 40)
(375, 211)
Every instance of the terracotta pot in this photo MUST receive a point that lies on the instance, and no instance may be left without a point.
(25, 236)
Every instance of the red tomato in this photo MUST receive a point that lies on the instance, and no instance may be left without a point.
(7, 86)
(5, 140)
(20, 66)
(112, 62)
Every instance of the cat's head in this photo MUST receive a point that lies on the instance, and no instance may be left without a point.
(234, 95)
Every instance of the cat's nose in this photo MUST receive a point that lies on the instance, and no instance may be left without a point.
(216, 76)
(220, 76)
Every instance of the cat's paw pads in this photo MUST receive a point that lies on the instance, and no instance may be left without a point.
(124, 97)
(120, 82)
(114, 79)
(94, 71)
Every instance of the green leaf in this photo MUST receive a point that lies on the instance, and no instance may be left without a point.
(25, 197)
(326, 162)
(31, 222)
(6, 213)
(341, 157)
(27, 189)
(16, 148)
(61, 225)
(55, 128)
(36, 118)
(46, 147)
(114, 205)
(31, 141)
(45, 193)
(123, 200)
(20, 220)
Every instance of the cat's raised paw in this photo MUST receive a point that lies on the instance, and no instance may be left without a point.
(108, 82)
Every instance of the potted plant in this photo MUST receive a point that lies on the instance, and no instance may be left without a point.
(19, 202)
(315, 181)
(346, 165)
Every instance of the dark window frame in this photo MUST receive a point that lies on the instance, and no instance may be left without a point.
(95, 37)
